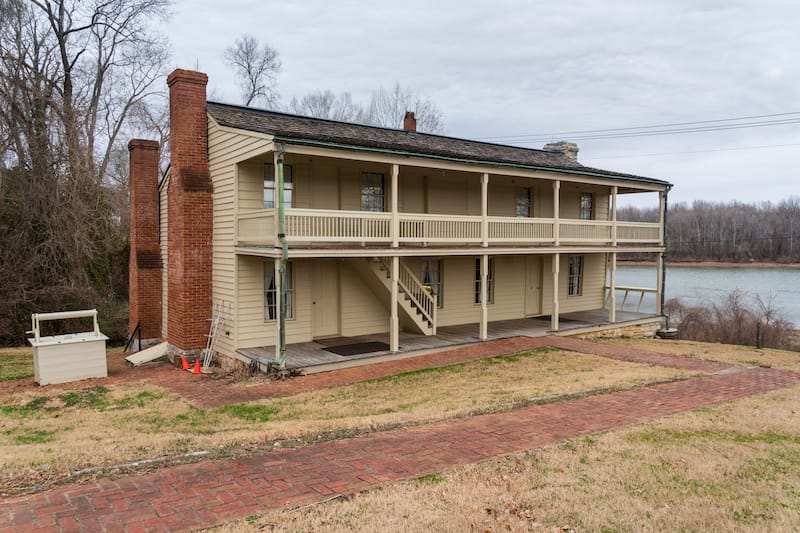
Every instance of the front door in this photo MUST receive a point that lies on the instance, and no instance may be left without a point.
(533, 286)
(325, 298)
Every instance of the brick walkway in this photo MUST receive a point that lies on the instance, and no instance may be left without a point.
(210, 493)
(208, 393)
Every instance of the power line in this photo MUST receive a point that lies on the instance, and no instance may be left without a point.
(676, 127)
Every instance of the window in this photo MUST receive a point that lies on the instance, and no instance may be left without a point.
(271, 292)
(524, 202)
(372, 192)
(489, 279)
(270, 186)
(575, 275)
(432, 279)
(587, 206)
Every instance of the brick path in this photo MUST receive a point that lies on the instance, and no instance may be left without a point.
(208, 393)
(210, 493)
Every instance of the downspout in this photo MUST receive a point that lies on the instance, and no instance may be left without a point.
(664, 262)
(284, 257)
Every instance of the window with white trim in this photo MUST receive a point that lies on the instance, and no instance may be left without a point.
(270, 186)
(524, 202)
(373, 192)
(489, 281)
(271, 292)
(575, 279)
(587, 206)
(432, 279)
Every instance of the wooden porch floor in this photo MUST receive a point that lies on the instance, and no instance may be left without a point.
(311, 357)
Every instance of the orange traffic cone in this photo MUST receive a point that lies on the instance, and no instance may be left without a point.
(197, 367)
(184, 363)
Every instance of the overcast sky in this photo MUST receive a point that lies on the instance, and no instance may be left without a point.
(507, 68)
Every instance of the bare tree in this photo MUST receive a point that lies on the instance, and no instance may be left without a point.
(387, 107)
(256, 67)
(327, 104)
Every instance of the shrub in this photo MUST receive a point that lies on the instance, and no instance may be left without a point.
(733, 321)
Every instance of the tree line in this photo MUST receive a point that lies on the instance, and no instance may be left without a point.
(735, 231)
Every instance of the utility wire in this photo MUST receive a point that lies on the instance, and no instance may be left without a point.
(737, 149)
(676, 127)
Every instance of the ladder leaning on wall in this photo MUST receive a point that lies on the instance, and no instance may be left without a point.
(219, 314)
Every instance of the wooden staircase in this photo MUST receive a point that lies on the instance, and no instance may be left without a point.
(415, 302)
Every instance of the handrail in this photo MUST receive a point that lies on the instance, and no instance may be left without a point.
(420, 297)
(641, 290)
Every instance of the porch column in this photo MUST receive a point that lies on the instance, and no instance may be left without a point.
(485, 209)
(554, 314)
(659, 283)
(394, 324)
(662, 213)
(278, 308)
(556, 206)
(614, 191)
(612, 289)
(395, 214)
(484, 329)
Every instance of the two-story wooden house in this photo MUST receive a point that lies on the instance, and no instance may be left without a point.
(389, 234)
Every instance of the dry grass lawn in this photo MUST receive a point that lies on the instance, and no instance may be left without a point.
(15, 363)
(734, 467)
(45, 436)
(727, 353)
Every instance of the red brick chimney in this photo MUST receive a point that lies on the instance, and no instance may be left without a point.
(144, 278)
(189, 213)
(410, 121)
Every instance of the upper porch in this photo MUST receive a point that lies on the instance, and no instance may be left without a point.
(334, 198)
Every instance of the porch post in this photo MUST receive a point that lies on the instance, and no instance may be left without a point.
(614, 191)
(395, 214)
(485, 209)
(612, 297)
(662, 211)
(278, 308)
(659, 283)
(394, 325)
(484, 328)
(556, 215)
(554, 314)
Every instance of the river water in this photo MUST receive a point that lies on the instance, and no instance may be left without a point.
(698, 284)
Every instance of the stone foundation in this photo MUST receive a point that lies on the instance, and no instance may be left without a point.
(647, 330)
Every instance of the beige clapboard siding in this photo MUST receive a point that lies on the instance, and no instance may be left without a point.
(593, 290)
(225, 148)
(362, 313)
(253, 330)
(162, 236)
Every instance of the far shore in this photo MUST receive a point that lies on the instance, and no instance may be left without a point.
(711, 264)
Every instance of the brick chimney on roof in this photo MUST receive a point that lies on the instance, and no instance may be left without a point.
(410, 121)
(189, 213)
(567, 148)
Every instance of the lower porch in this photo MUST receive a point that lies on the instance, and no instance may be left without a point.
(321, 354)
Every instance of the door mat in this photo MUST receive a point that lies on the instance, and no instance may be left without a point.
(358, 349)
(561, 320)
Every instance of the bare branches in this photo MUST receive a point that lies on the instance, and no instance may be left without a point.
(256, 67)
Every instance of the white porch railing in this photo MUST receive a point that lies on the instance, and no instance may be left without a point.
(439, 228)
(520, 230)
(322, 225)
(627, 291)
(331, 226)
(420, 297)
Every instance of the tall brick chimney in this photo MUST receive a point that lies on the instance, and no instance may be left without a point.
(144, 278)
(410, 121)
(189, 213)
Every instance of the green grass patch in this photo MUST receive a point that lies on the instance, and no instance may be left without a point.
(35, 406)
(664, 436)
(91, 398)
(251, 413)
(430, 479)
(30, 436)
(137, 400)
(16, 364)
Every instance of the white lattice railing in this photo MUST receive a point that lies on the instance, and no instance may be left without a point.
(322, 225)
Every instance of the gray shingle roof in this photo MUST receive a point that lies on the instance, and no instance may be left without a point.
(300, 128)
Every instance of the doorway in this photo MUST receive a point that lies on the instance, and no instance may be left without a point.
(533, 285)
(325, 298)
